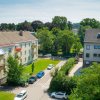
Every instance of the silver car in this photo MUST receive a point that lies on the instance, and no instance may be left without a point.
(21, 96)
(50, 66)
(59, 95)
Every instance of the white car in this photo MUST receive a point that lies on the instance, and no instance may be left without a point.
(59, 95)
(50, 66)
(21, 96)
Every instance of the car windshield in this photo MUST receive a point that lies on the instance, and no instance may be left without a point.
(19, 95)
(32, 77)
(60, 93)
(40, 72)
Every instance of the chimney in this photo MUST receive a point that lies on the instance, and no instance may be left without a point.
(21, 33)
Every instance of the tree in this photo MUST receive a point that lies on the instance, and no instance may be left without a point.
(81, 32)
(88, 84)
(62, 83)
(76, 45)
(59, 22)
(69, 25)
(90, 22)
(32, 66)
(67, 39)
(46, 40)
(85, 24)
(11, 26)
(14, 71)
(49, 25)
(3, 26)
(25, 26)
(37, 25)
(57, 41)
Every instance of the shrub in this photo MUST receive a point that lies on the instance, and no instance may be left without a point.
(69, 64)
(60, 82)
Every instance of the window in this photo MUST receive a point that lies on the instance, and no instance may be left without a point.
(98, 55)
(9, 50)
(21, 45)
(94, 55)
(28, 57)
(98, 36)
(96, 46)
(25, 52)
(25, 44)
(29, 51)
(29, 44)
(87, 55)
(25, 59)
(20, 53)
(87, 47)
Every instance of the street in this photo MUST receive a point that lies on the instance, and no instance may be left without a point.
(38, 90)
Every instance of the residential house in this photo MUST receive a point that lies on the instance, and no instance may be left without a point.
(92, 46)
(23, 44)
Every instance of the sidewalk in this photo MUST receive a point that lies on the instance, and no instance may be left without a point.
(76, 68)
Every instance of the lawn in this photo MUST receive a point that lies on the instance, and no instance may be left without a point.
(6, 96)
(40, 65)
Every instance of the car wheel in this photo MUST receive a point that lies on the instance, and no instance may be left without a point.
(64, 98)
(53, 96)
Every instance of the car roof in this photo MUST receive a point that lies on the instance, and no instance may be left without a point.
(50, 64)
(61, 92)
(23, 91)
(41, 72)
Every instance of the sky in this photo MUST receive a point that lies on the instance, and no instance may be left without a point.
(16, 11)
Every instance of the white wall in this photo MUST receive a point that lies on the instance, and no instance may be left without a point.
(26, 47)
(91, 52)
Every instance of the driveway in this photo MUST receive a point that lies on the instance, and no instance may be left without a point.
(38, 90)
(76, 69)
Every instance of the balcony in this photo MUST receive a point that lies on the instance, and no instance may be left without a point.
(18, 49)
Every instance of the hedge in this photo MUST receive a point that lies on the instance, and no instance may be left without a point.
(68, 65)
(61, 82)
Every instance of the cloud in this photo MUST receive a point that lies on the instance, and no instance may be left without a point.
(44, 10)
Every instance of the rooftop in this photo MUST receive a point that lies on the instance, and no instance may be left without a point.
(13, 37)
(91, 36)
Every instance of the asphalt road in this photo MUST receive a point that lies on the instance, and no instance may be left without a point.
(38, 90)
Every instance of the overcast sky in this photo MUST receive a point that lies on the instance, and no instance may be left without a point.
(15, 11)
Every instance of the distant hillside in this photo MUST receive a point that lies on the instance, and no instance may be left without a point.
(75, 25)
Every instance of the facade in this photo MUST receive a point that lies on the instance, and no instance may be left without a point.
(92, 46)
(23, 44)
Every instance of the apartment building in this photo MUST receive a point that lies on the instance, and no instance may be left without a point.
(92, 46)
(23, 44)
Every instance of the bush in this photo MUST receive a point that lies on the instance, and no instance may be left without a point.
(60, 82)
(69, 64)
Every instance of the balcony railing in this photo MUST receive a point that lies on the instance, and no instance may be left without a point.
(18, 49)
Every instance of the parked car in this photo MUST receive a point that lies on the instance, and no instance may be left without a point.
(23, 82)
(32, 79)
(59, 95)
(40, 74)
(21, 96)
(50, 66)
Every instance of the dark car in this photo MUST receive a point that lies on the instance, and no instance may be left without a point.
(32, 79)
(40, 74)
